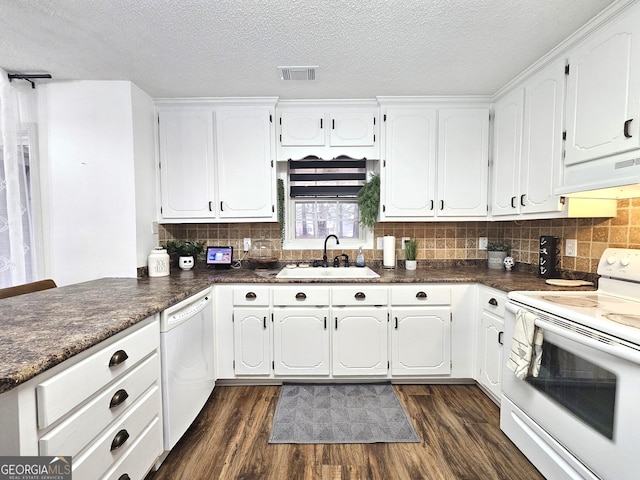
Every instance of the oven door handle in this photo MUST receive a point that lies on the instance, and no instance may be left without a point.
(616, 350)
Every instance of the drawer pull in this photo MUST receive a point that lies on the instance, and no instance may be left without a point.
(117, 358)
(336, 323)
(627, 134)
(421, 295)
(118, 397)
(121, 437)
(325, 323)
(360, 296)
(124, 476)
(396, 327)
(300, 296)
(500, 335)
(264, 322)
(250, 296)
(493, 301)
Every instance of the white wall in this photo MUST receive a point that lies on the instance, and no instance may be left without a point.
(89, 185)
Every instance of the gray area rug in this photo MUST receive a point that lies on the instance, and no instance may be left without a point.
(343, 413)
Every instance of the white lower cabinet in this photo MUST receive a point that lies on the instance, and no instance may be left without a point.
(359, 341)
(490, 333)
(420, 330)
(251, 331)
(103, 407)
(301, 341)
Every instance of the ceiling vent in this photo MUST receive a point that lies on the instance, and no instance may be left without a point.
(297, 73)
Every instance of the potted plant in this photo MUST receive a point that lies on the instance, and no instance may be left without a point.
(496, 253)
(410, 254)
(369, 201)
(187, 252)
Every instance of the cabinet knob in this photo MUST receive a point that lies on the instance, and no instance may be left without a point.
(360, 296)
(627, 134)
(118, 397)
(300, 296)
(124, 476)
(250, 296)
(493, 301)
(117, 358)
(121, 437)
(421, 295)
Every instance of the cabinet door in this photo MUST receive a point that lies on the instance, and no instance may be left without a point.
(490, 353)
(186, 163)
(408, 174)
(251, 341)
(359, 343)
(463, 162)
(246, 175)
(507, 146)
(603, 91)
(542, 141)
(420, 340)
(302, 128)
(301, 341)
(352, 129)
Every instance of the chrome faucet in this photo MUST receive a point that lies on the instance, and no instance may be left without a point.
(324, 252)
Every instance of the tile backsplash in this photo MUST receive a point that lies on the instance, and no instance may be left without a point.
(451, 240)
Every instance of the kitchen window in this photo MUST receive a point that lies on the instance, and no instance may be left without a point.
(323, 201)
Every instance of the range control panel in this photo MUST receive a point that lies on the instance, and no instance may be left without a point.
(620, 263)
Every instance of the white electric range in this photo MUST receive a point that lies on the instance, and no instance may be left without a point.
(577, 418)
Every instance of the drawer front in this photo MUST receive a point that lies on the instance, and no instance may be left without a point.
(139, 459)
(77, 431)
(251, 296)
(115, 442)
(359, 295)
(60, 394)
(301, 295)
(420, 295)
(493, 301)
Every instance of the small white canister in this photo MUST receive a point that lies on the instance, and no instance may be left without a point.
(158, 262)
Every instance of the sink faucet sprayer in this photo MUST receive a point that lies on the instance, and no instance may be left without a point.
(324, 254)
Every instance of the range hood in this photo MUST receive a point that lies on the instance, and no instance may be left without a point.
(609, 177)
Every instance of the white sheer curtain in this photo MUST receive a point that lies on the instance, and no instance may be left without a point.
(17, 252)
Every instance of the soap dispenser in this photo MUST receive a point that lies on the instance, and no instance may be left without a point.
(360, 258)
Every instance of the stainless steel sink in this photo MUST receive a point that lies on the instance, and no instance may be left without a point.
(328, 272)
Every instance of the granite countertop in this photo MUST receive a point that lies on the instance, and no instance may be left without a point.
(42, 329)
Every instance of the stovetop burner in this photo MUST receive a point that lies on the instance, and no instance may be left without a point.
(582, 301)
(628, 319)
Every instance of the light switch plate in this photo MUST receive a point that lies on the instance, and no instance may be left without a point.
(570, 247)
(379, 243)
(482, 243)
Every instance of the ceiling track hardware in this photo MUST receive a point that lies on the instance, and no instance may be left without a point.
(29, 77)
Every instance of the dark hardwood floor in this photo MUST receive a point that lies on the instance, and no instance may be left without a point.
(457, 424)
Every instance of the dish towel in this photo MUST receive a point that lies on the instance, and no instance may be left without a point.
(526, 346)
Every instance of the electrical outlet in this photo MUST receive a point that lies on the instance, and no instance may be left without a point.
(246, 244)
(154, 228)
(379, 243)
(482, 243)
(571, 247)
(404, 241)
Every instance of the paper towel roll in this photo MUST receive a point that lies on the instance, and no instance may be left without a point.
(389, 252)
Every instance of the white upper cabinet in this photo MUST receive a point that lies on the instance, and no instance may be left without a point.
(603, 91)
(408, 173)
(463, 161)
(327, 130)
(187, 163)
(507, 146)
(435, 162)
(527, 148)
(216, 162)
(245, 171)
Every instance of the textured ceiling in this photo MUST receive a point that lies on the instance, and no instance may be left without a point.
(363, 48)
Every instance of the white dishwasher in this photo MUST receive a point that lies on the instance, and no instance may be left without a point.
(188, 376)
